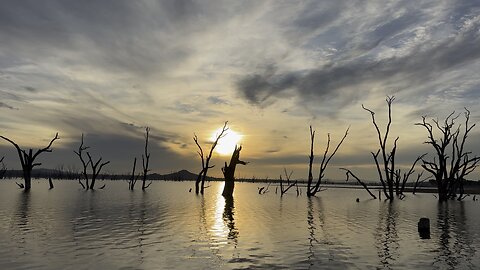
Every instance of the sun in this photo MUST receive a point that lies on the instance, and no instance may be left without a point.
(226, 144)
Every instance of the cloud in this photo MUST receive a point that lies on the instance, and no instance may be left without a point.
(345, 81)
(117, 148)
(5, 105)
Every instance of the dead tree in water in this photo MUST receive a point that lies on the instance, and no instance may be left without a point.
(386, 174)
(3, 170)
(390, 177)
(311, 188)
(28, 159)
(96, 167)
(145, 161)
(349, 173)
(133, 178)
(206, 159)
(283, 189)
(450, 175)
(229, 172)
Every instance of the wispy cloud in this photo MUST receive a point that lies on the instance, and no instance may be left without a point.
(114, 67)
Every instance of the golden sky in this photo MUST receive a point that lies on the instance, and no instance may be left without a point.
(270, 68)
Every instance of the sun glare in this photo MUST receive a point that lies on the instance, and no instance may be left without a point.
(226, 144)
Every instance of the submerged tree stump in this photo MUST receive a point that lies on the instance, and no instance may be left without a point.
(229, 172)
(424, 228)
(50, 183)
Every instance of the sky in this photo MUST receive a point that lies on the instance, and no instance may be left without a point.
(271, 69)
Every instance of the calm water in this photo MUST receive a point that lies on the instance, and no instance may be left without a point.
(167, 227)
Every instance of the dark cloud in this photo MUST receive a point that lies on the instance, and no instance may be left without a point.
(120, 150)
(134, 36)
(30, 88)
(218, 100)
(4, 105)
(342, 81)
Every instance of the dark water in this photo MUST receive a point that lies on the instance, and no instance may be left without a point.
(168, 227)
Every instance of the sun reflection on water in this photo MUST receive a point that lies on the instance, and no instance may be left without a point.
(219, 230)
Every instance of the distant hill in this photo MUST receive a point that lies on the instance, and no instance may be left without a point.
(182, 175)
(176, 176)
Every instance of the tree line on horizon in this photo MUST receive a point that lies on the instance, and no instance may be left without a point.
(450, 166)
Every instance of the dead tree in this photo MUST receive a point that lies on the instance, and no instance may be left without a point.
(349, 173)
(452, 163)
(3, 170)
(85, 163)
(50, 183)
(200, 182)
(386, 173)
(95, 167)
(401, 180)
(27, 159)
(133, 178)
(312, 188)
(418, 182)
(145, 161)
(229, 172)
(290, 184)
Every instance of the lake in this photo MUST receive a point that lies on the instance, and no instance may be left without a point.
(167, 227)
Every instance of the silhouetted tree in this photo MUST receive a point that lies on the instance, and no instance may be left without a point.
(145, 161)
(290, 184)
(452, 163)
(28, 159)
(229, 172)
(133, 178)
(50, 183)
(206, 159)
(312, 188)
(350, 173)
(386, 174)
(390, 177)
(3, 170)
(95, 167)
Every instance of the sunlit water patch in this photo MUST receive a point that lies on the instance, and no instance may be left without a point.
(168, 227)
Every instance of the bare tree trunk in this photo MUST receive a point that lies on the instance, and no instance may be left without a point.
(348, 173)
(28, 179)
(50, 183)
(27, 160)
(145, 161)
(200, 182)
(311, 191)
(229, 172)
(133, 177)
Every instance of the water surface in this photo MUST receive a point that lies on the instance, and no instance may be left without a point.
(167, 227)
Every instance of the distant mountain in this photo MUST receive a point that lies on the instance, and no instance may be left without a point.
(182, 175)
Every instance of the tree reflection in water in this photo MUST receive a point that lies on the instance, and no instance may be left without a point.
(312, 231)
(386, 235)
(228, 213)
(455, 244)
(22, 214)
(322, 243)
